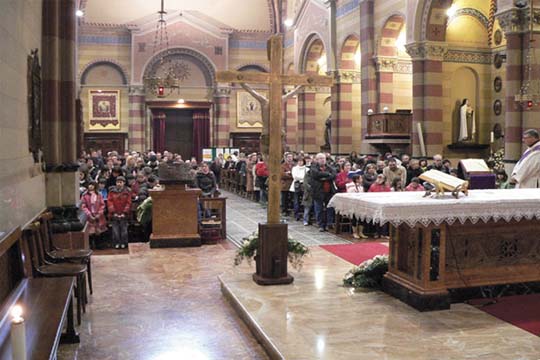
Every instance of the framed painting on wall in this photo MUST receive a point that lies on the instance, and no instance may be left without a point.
(248, 111)
(104, 110)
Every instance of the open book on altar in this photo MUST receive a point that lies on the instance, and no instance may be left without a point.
(474, 166)
(445, 182)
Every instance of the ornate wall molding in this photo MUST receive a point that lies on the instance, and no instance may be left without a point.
(427, 50)
(473, 13)
(403, 67)
(111, 62)
(470, 57)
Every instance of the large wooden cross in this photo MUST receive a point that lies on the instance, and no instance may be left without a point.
(276, 80)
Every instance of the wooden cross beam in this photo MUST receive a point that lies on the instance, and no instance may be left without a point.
(275, 80)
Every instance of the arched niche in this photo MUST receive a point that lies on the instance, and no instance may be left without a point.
(465, 85)
(468, 31)
(103, 73)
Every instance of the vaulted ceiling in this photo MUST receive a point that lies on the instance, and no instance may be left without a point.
(238, 14)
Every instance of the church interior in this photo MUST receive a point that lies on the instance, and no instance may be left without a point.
(457, 80)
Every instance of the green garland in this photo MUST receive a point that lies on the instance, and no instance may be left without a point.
(368, 274)
(249, 248)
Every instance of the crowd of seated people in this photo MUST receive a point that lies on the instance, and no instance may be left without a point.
(115, 187)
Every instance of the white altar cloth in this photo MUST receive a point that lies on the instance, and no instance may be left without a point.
(412, 208)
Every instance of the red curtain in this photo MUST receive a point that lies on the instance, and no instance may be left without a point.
(201, 132)
(159, 132)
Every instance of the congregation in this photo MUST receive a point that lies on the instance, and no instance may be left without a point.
(115, 187)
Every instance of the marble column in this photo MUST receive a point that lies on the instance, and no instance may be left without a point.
(342, 111)
(137, 119)
(59, 114)
(222, 118)
(291, 123)
(368, 71)
(385, 82)
(427, 62)
(518, 118)
(307, 124)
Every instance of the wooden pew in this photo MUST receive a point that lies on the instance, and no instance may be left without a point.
(47, 303)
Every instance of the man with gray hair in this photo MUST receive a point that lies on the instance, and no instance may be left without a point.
(322, 189)
(526, 173)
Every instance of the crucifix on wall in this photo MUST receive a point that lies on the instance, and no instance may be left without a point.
(272, 267)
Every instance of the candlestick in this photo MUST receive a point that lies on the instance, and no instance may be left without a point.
(18, 334)
(491, 137)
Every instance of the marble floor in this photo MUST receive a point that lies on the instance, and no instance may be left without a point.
(316, 318)
(243, 217)
(162, 304)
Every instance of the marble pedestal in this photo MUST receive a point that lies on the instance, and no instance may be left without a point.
(175, 216)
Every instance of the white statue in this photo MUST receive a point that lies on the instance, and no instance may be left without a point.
(466, 122)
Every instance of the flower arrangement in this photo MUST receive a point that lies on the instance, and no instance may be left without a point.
(496, 160)
(248, 251)
(368, 274)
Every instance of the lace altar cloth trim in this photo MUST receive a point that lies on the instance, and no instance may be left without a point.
(412, 208)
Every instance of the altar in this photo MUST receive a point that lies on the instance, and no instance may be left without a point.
(487, 238)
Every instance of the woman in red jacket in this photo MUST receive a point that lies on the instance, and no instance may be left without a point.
(94, 207)
(342, 179)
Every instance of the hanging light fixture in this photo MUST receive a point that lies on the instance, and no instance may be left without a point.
(175, 72)
(529, 94)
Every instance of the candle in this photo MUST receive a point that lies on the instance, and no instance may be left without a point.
(18, 336)
(491, 137)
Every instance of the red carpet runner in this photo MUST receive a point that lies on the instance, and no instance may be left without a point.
(357, 253)
(522, 311)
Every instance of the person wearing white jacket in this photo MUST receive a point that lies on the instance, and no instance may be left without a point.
(298, 173)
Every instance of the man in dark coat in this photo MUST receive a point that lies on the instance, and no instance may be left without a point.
(322, 189)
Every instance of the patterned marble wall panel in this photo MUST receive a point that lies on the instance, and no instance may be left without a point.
(384, 10)
(348, 20)
(22, 185)
(356, 116)
(402, 90)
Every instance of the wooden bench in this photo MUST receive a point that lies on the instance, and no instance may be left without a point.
(47, 303)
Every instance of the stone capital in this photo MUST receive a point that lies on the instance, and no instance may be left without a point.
(222, 91)
(386, 63)
(137, 90)
(427, 50)
(516, 20)
(345, 76)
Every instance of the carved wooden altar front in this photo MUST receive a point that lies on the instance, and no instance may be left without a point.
(426, 261)
(389, 125)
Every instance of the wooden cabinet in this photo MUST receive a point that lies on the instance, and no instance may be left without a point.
(395, 125)
(105, 141)
(247, 142)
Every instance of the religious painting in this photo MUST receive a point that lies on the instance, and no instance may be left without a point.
(498, 61)
(498, 36)
(248, 111)
(104, 110)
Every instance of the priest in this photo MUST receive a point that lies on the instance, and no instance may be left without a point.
(526, 173)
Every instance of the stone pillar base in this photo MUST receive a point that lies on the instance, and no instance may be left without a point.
(272, 255)
(62, 188)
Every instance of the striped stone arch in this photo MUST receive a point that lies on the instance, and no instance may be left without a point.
(313, 50)
(389, 34)
(433, 19)
(97, 62)
(348, 51)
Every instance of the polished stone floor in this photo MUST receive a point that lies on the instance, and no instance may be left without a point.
(243, 217)
(162, 304)
(316, 318)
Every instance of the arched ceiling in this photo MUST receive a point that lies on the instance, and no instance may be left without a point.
(238, 14)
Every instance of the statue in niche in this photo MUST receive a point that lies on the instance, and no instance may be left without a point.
(34, 104)
(328, 133)
(467, 126)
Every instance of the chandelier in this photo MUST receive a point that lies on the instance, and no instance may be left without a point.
(175, 72)
(529, 94)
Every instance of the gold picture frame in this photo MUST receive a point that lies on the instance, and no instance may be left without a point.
(104, 110)
(248, 111)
